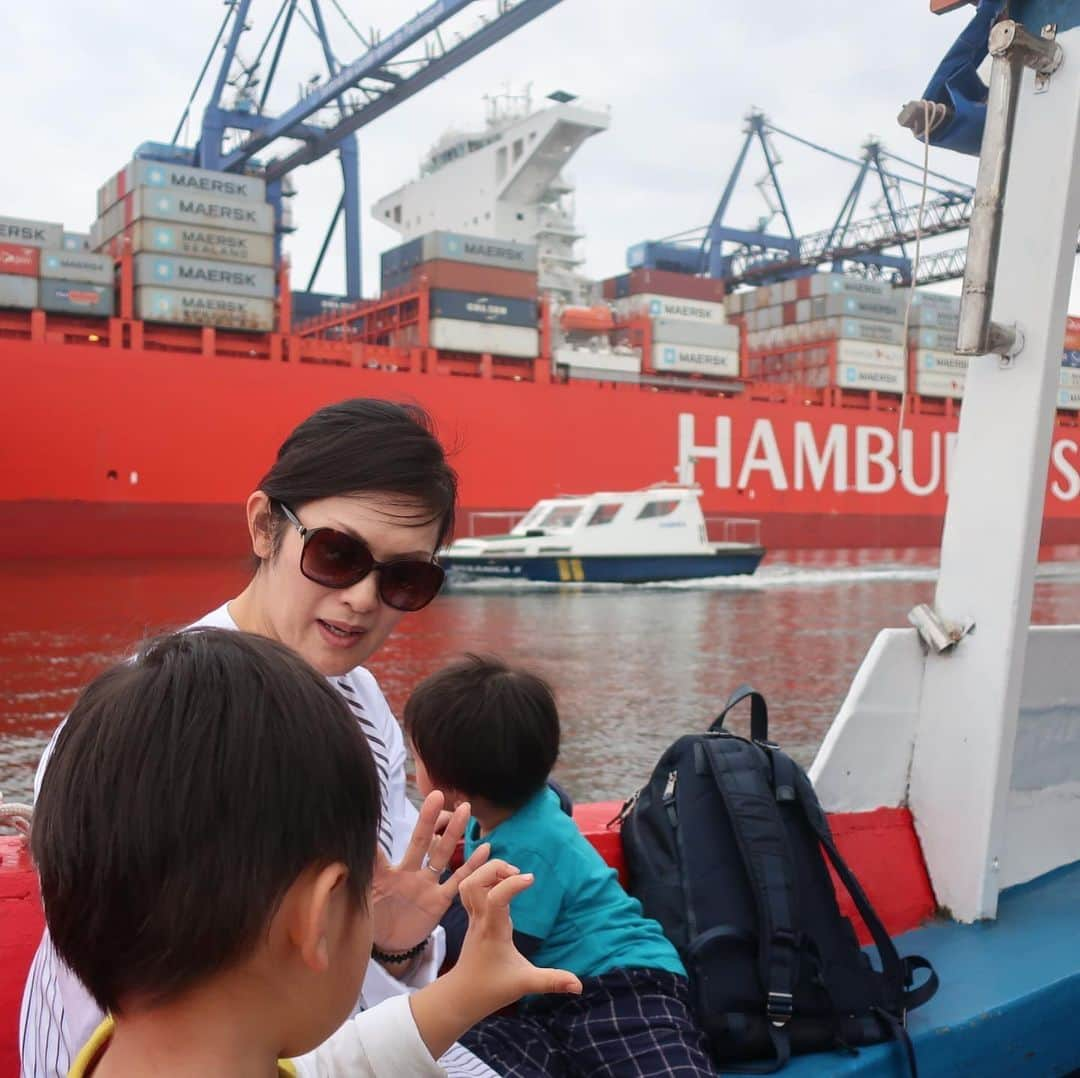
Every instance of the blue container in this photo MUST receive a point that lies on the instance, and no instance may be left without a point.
(312, 304)
(475, 307)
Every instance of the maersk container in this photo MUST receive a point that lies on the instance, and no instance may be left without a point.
(195, 241)
(838, 284)
(876, 308)
(869, 329)
(19, 260)
(940, 362)
(479, 307)
(1069, 399)
(937, 301)
(719, 362)
(935, 318)
(76, 297)
(30, 233)
(869, 354)
(457, 247)
(626, 360)
(866, 376)
(204, 309)
(201, 275)
(76, 266)
(697, 334)
(156, 174)
(654, 306)
(465, 277)
(75, 241)
(940, 340)
(1069, 378)
(185, 209)
(17, 290)
(455, 335)
(935, 384)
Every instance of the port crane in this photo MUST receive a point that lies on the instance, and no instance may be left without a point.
(238, 132)
(857, 246)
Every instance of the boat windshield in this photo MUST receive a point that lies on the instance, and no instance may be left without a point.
(658, 509)
(604, 513)
(560, 516)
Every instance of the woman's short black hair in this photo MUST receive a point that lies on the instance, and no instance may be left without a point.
(485, 729)
(187, 791)
(365, 446)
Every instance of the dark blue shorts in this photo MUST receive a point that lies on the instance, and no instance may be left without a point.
(631, 1023)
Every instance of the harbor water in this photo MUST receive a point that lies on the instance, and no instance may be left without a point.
(633, 667)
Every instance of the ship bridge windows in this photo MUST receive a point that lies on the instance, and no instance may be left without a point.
(560, 517)
(659, 508)
(501, 164)
(604, 514)
(519, 149)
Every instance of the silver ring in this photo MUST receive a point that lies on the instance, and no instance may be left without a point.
(431, 868)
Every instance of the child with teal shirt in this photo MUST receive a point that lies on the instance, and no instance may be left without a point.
(489, 734)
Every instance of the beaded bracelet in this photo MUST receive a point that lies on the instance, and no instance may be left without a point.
(395, 957)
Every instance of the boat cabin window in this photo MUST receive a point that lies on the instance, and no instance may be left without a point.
(560, 516)
(658, 509)
(604, 514)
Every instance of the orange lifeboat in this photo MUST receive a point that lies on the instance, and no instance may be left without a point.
(587, 319)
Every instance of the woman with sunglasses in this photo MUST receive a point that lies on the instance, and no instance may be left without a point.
(344, 529)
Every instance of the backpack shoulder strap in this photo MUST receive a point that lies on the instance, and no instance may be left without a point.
(759, 713)
(899, 972)
(740, 771)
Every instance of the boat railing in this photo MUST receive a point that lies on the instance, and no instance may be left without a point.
(733, 529)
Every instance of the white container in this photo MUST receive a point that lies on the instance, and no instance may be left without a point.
(195, 241)
(939, 340)
(938, 301)
(31, 233)
(180, 207)
(869, 329)
(625, 359)
(734, 302)
(865, 376)
(941, 362)
(803, 310)
(837, 284)
(938, 318)
(933, 384)
(203, 309)
(719, 362)
(671, 308)
(75, 241)
(81, 266)
(203, 275)
(705, 334)
(1069, 399)
(18, 291)
(869, 354)
(156, 174)
(888, 308)
(457, 335)
(789, 291)
(1069, 378)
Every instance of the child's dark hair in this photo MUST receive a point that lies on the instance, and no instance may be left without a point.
(187, 791)
(485, 729)
(364, 446)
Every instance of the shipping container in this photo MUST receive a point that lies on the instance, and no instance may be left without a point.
(940, 340)
(19, 260)
(667, 283)
(719, 362)
(480, 307)
(869, 354)
(940, 362)
(1069, 399)
(938, 318)
(76, 297)
(1070, 358)
(697, 334)
(1069, 378)
(838, 284)
(934, 384)
(456, 247)
(194, 241)
(202, 275)
(877, 308)
(30, 233)
(184, 209)
(623, 359)
(671, 307)
(938, 301)
(75, 241)
(307, 305)
(204, 309)
(17, 290)
(866, 376)
(76, 266)
(455, 335)
(466, 277)
(155, 174)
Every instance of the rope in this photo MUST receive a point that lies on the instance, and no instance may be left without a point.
(932, 115)
(16, 816)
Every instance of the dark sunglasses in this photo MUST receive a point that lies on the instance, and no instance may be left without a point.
(336, 560)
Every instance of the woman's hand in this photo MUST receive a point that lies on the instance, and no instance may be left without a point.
(491, 973)
(409, 898)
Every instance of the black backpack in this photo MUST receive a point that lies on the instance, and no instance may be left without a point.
(724, 848)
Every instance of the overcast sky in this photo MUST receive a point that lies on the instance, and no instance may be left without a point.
(83, 83)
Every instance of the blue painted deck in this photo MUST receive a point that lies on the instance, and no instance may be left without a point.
(1009, 1001)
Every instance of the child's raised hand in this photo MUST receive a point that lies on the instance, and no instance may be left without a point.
(488, 953)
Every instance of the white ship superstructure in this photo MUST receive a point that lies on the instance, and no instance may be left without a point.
(506, 181)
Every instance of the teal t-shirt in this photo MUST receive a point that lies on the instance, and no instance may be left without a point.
(587, 922)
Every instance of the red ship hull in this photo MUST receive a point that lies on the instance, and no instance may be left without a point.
(131, 449)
